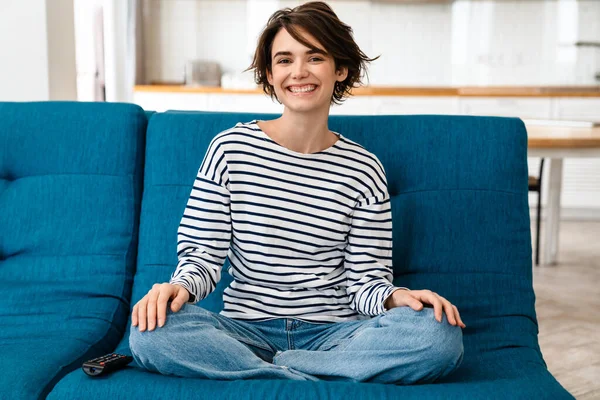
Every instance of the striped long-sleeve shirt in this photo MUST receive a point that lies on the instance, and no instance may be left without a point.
(308, 236)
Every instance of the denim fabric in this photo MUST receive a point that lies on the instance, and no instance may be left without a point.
(400, 346)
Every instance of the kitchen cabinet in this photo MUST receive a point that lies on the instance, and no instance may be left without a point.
(394, 105)
(576, 108)
(355, 105)
(163, 101)
(581, 176)
(527, 108)
(253, 103)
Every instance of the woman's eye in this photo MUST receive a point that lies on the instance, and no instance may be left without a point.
(286, 61)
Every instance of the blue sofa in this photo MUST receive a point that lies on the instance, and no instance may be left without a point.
(91, 195)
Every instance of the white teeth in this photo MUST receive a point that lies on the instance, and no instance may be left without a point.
(302, 89)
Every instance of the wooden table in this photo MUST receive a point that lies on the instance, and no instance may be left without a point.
(557, 143)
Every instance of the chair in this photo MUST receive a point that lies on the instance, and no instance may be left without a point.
(535, 185)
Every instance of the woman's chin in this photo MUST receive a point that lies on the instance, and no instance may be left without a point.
(304, 108)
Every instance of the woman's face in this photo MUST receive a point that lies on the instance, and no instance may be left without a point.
(303, 80)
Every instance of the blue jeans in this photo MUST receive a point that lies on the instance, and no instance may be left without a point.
(400, 346)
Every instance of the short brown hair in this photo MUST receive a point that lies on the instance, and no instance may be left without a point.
(318, 19)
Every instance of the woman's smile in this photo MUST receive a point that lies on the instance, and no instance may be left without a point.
(302, 90)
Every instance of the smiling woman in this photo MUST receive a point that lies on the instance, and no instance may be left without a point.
(304, 216)
(316, 27)
(307, 60)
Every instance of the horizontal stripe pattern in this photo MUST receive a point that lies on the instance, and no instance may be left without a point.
(308, 236)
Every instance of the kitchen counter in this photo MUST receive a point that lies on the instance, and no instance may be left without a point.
(466, 91)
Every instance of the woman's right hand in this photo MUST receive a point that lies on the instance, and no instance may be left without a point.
(153, 306)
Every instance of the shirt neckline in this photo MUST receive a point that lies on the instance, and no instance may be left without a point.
(266, 137)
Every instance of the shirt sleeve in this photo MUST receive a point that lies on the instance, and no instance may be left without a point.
(204, 233)
(368, 255)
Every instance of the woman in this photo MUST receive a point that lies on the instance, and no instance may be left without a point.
(304, 216)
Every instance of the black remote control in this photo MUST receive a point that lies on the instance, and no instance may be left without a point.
(105, 364)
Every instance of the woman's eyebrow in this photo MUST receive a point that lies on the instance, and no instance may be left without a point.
(308, 52)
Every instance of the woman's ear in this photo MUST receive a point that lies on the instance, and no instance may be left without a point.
(342, 74)
(269, 77)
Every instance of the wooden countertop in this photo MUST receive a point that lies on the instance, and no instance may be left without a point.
(549, 137)
(466, 91)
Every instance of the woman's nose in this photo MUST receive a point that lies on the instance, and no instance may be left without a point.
(299, 70)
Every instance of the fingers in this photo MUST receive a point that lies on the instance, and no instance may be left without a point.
(182, 296)
(161, 305)
(434, 299)
(142, 309)
(415, 304)
(449, 311)
(460, 321)
(440, 306)
(134, 316)
(407, 298)
(152, 299)
(151, 310)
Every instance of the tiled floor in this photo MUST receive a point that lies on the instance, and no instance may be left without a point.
(568, 309)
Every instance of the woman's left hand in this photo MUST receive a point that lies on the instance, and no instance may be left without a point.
(415, 299)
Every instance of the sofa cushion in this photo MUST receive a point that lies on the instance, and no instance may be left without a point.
(459, 193)
(509, 374)
(70, 193)
(460, 225)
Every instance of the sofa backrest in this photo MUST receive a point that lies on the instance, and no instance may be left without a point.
(459, 204)
(70, 194)
(460, 214)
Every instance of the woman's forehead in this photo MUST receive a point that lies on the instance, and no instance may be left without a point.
(285, 42)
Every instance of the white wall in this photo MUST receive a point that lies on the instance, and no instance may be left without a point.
(465, 42)
(89, 49)
(23, 62)
(37, 52)
(60, 25)
(118, 50)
